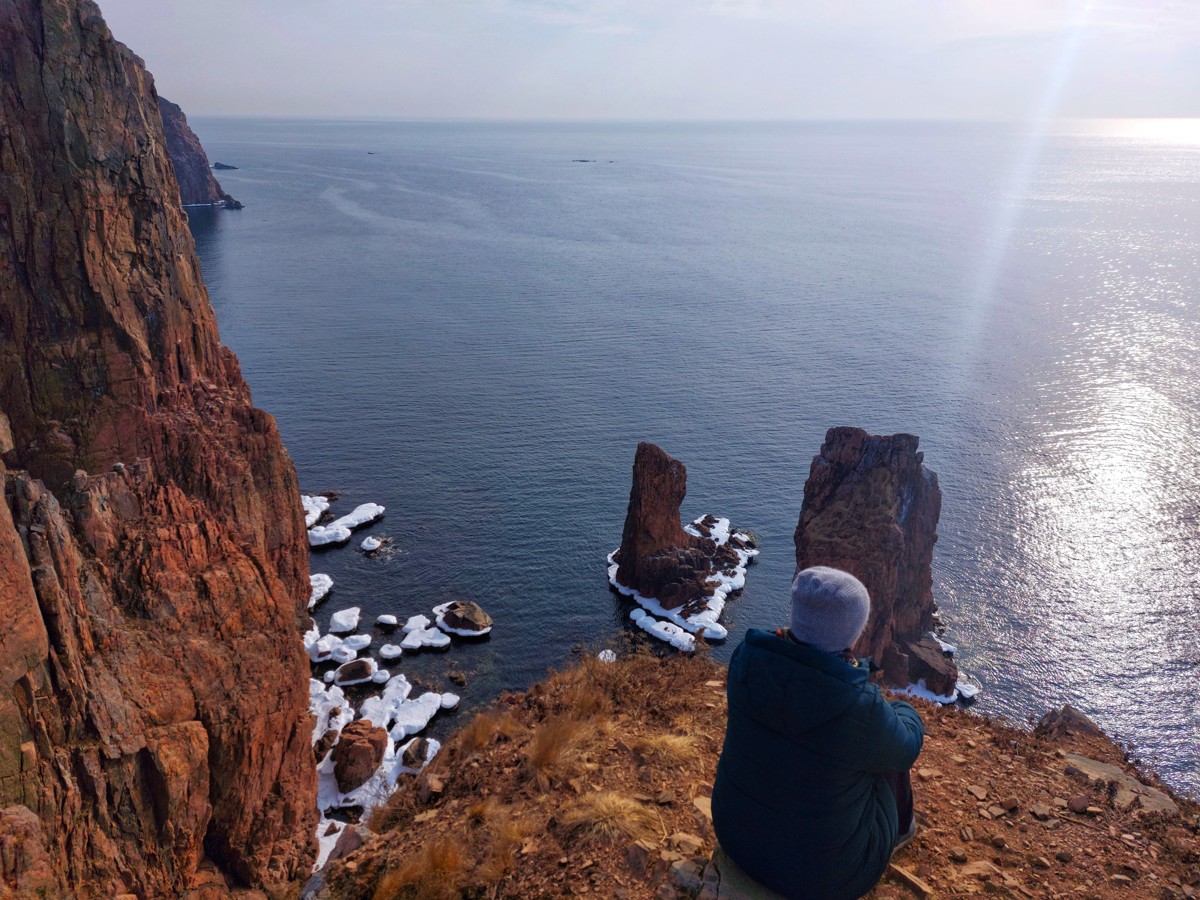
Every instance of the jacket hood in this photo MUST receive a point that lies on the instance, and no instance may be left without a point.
(791, 688)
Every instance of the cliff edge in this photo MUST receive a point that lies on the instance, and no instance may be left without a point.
(197, 184)
(154, 729)
(598, 779)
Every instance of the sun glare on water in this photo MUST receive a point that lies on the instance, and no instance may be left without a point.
(1185, 131)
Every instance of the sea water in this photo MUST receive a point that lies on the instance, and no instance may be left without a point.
(474, 324)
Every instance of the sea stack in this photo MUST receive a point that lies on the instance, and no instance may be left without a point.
(197, 185)
(154, 701)
(657, 558)
(871, 508)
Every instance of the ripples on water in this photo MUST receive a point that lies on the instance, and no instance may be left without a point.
(475, 331)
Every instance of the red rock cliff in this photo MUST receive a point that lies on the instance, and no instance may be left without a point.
(153, 564)
(871, 508)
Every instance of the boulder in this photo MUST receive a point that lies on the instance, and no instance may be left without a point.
(871, 508)
(358, 754)
(466, 615)
(1127, 789)
(927, 662)
(1066, 721)
(415, 753)
(355, 672)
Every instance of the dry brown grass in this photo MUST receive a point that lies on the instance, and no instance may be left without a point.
(481, 811)
(606, 816)
(670, 748)
(552, 744)
(435, 873)
(507, 833)
(587, 698)
(483, 729)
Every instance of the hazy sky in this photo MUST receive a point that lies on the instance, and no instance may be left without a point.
(676, 59)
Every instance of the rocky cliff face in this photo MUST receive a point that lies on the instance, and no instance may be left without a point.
(153, 563)
(871, 508)
(196, 181)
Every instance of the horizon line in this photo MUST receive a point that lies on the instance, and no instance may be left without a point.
(597, 120)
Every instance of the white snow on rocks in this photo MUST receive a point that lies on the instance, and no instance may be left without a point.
(328, 832)
(945, 648)
(344, 620)
(416, 623)
(313, 505)
(921, 690)
(331, 648)
(370, 544)
(321, 649)
(411, 716)
(329, 706)
(321, 585)
(376, 789)
(664, 631)
(607, 656)
(401, 715)
(360, 516)
(311, 636)
(321, 535)
(357, 642)
(705, 620)
(387, 621)
(440, 612)
(379, 710)
(337, 531)
(968, 687)
(418, 634)
(390, 651)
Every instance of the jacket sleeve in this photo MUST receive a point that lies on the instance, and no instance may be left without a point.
(890, 739)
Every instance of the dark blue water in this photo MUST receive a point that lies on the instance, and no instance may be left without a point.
(463, 324)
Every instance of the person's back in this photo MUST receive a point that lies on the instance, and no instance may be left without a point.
(805, 799)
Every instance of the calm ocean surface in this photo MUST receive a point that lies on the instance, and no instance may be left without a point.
(462, 323)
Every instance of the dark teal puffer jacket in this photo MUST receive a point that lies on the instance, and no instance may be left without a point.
(800, 801)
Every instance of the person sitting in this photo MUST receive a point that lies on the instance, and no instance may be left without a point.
(812, 794)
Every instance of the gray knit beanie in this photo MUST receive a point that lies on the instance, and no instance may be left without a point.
(829, 608)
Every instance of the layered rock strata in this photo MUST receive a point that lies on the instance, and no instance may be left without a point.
(197, 184)
(871, 507)
(153, 563)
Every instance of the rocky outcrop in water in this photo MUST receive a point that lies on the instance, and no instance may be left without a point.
(197, 185)
(357, 754)
(871, 508)
(153, 563)
(657, 558)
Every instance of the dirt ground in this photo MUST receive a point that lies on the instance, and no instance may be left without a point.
(596, 782)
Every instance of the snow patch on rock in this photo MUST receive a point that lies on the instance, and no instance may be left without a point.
(344, 620)
(314, 505)
(703, 621)
(359, 516)
(320, 586)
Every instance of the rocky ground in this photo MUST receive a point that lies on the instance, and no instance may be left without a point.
(596, 782)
